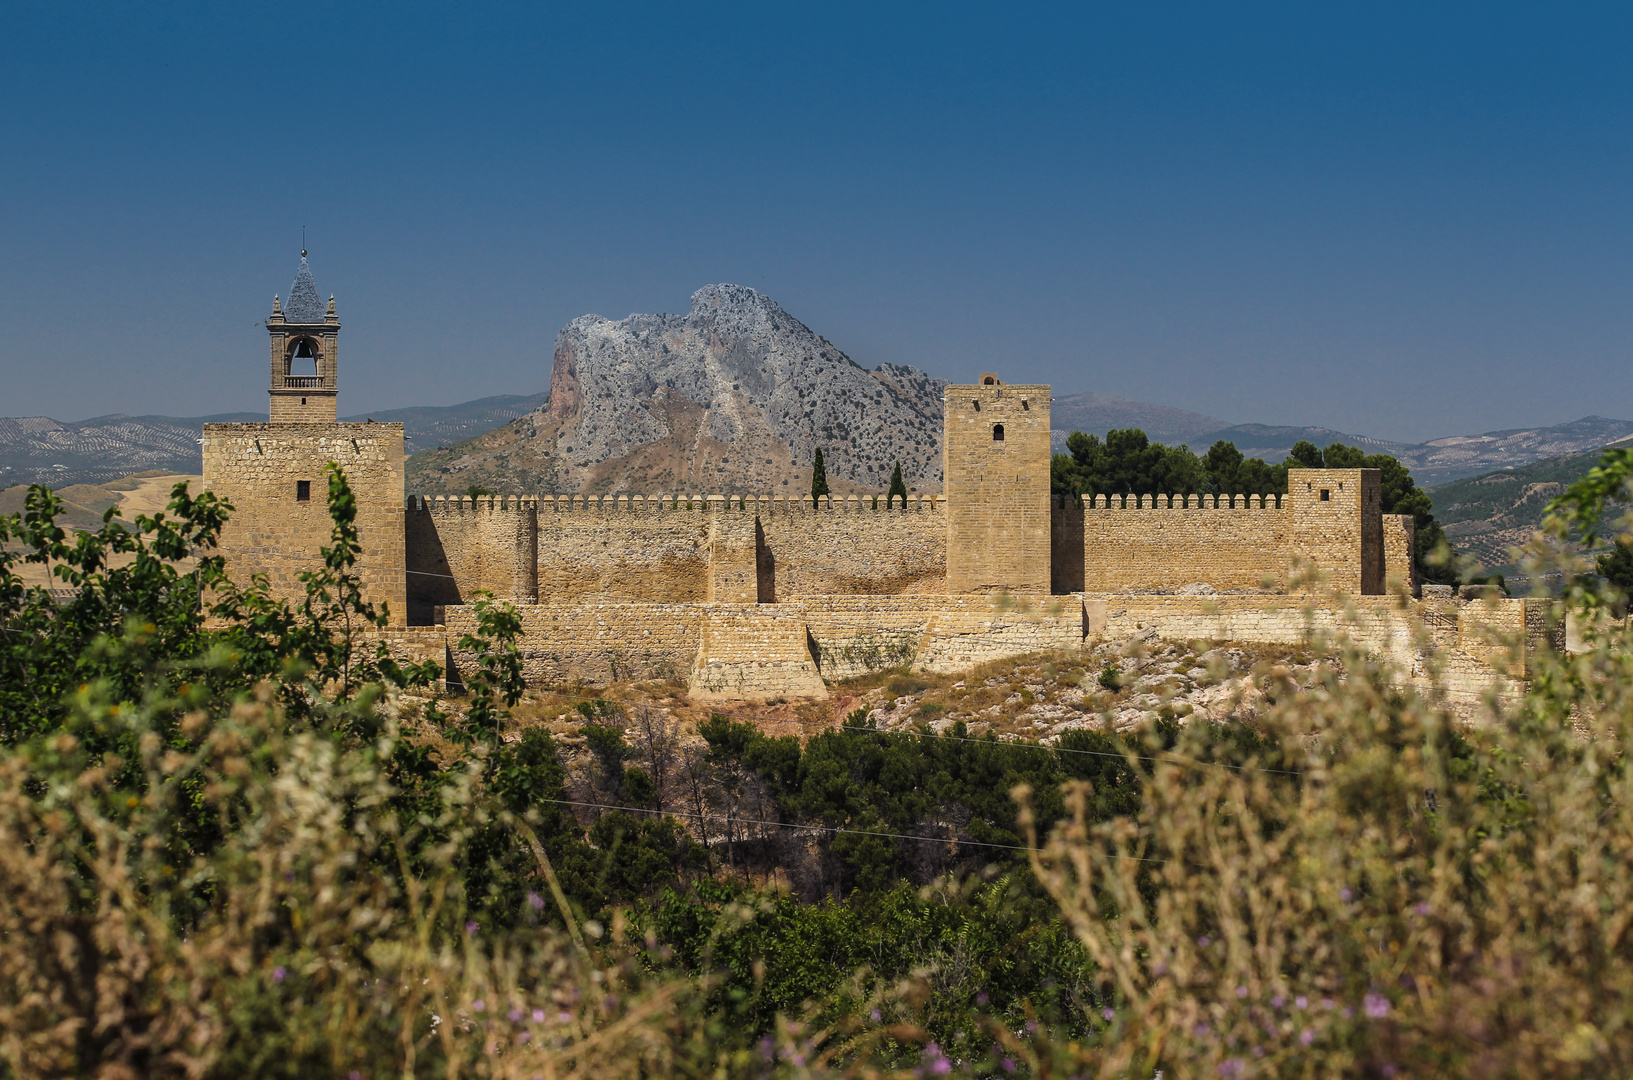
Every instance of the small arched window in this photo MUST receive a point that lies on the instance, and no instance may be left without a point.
(990, 380)
(997, 433)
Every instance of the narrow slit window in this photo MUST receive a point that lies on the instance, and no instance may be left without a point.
(1326, 495)
(303, 491)
(977, 404)
(997, 433)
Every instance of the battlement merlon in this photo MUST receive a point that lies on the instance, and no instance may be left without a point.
(683, 503)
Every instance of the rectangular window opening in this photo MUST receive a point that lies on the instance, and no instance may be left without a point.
(1326, 495)
(303, 491)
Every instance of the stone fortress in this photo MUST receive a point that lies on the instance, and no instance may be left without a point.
(750, 597)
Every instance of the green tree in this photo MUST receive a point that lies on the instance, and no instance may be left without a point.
(1400, 495)
(897, 487)
(819, 477)
(1616, 567)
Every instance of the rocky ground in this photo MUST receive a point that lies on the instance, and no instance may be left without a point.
(1113, 687)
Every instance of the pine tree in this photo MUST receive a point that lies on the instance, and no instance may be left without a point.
(819, 477)
(897, 487)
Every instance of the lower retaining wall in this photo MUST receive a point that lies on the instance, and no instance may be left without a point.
(749, 651)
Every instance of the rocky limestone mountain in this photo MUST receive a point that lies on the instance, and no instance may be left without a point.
(734, 396)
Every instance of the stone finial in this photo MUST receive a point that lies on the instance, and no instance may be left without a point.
(277, 307)
(329, 313)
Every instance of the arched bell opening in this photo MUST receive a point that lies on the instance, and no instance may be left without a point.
(303, 363)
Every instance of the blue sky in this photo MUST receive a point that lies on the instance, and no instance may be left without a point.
(1396, 220)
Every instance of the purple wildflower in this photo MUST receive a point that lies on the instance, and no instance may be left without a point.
(1302, 1002)
(563, 1016)
(1376, 1006)
(1306, 1036)
(941, 1066)
(1204, 941)
(981, 998)
(515, 1016)
(538, 1016)
(1345, 895)
(1232, 1067)
(478, 1005)
(524, 1038)
(279, 973)
(877, 1015)
(1008, 1064)
(470, 927)
(535, 901)
(1423, 908)
(1107, 1014)
(1277, 1002)
(767, 1050)
(1328, 1004)
(1241, 991)
(1201, 1031)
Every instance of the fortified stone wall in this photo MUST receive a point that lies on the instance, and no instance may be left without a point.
(852, 547)
(1165, 542)
(1329, 519)
(1399, 535)
(627, 548)
(457, 546)
(260, 468)
(726, 549)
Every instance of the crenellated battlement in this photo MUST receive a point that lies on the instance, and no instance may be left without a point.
(667, 503)
(1172, 502)
(465, 504)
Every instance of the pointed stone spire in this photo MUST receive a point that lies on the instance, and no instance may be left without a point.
(305, 305)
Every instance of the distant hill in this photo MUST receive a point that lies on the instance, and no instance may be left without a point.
(426, 427)
(40, 450)
(1487, 515)
(1435, 462)
(1097, 414)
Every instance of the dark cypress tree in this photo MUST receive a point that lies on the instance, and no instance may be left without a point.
(897, 487)
(819, 477)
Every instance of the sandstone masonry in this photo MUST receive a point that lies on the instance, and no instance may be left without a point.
(760, 597)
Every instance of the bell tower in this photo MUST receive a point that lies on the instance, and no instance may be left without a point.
(305, 350)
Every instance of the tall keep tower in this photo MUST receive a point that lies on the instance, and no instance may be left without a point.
(276, 474)
(996, 475)
(305, 350)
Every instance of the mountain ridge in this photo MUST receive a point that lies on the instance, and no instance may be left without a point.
(735, 395)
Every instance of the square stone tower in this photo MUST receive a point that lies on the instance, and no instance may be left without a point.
(996, 475)
(273, 473)
(1335, 520)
